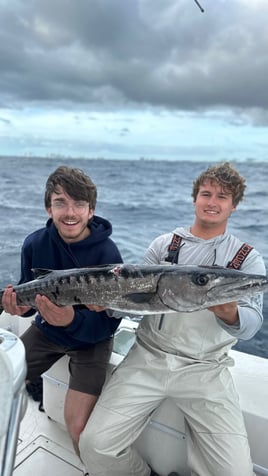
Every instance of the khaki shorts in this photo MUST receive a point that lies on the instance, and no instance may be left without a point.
(87, 366)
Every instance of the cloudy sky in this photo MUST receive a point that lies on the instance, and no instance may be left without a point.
(134, 78)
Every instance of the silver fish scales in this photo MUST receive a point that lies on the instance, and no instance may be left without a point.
(142, 289)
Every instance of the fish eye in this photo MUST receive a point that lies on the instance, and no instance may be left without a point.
(200, 279)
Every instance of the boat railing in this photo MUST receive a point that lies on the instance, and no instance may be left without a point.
(12, 397)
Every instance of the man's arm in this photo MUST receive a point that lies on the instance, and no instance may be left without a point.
(228, 312)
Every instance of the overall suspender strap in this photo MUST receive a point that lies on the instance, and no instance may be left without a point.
(240, 256)
(235, 263)
(173, 249)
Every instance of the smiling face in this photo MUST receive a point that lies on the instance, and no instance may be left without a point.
(213, 207)
(70, 216)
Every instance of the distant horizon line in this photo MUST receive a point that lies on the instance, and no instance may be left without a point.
(138, 159)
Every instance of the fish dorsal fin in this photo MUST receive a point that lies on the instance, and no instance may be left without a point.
(41, 272)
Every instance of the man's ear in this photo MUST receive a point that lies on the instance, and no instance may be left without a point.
(49, 211)
(91, 213)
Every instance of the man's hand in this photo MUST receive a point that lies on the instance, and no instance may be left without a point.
(227, 312)
(53, 314)
(9, 302)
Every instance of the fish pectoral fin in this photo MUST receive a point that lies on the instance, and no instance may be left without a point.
(41, 272)
(140, 297)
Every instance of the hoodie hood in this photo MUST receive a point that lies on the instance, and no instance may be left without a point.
(185, 233)
(190, 247)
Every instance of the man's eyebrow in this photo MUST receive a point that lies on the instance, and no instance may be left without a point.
(222, 192)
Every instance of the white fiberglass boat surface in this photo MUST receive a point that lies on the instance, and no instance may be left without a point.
(43, 444)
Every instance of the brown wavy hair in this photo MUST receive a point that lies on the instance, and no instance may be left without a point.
(74, 182)
(226, 176)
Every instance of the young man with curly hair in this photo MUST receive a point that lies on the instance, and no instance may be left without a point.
(184, 356)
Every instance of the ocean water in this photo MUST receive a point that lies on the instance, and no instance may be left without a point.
(141, 198)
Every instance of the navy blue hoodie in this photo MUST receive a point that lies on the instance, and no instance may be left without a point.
(45, 248)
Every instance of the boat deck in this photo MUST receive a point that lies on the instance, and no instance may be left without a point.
(44, 447)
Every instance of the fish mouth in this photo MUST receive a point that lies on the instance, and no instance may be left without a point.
(235, 290)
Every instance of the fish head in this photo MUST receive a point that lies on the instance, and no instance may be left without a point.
(192, 288)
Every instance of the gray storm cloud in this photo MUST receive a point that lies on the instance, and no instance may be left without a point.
(114, 53)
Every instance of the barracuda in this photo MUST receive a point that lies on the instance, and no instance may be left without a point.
(142, 289)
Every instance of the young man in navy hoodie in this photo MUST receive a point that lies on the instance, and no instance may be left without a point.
(73, 238)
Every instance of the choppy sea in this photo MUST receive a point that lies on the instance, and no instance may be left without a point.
(142, 199)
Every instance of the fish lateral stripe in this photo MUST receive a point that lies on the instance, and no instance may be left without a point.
(140, 298)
